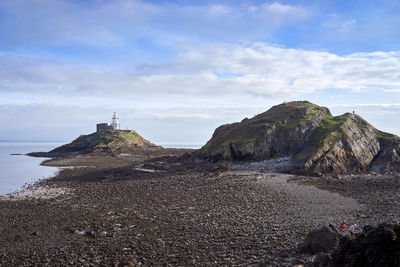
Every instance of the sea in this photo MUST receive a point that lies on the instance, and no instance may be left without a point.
(180, 145)
(18, 170)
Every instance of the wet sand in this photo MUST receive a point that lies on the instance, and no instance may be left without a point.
(163, 209)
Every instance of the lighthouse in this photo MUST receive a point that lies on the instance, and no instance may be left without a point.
(115, 122)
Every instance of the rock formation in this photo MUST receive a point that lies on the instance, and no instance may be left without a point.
(325, 239)
(315, 141)
(375, 246)
(107, 141)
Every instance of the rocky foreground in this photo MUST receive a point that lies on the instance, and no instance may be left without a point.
(173, 209)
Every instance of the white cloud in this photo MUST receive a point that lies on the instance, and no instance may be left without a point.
(282, 9)
(277, 14)
(339, 24)
(212, 71)
(63, 22)
(119, 24)
(218, 10)
(347, 26)
(375, 105)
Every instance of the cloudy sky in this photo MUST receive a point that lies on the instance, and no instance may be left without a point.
(175, 70)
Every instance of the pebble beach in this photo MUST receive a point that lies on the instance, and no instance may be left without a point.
(171, 209)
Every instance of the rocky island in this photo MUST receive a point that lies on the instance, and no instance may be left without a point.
(250, 196)
(101, 142)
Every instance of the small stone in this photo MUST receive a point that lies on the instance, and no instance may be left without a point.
(82, 232)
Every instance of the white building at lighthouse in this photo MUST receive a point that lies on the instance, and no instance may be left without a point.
(114, 125)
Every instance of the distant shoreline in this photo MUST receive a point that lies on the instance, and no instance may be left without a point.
(165, 145)
(30, 141)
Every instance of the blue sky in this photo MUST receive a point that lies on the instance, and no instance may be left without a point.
(175, 70)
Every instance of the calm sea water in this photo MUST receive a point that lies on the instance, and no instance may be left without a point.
(182, 145)
(17, 170)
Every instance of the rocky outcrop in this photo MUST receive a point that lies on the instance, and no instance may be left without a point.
(375, 246)
(315, 141)
(349, 148)
(325, 239)
(108, 141)
(282, 130)
(388, 158)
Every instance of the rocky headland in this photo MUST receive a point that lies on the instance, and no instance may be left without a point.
(312, 140)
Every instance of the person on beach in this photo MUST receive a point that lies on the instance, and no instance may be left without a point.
(352, 229)
(341, 228)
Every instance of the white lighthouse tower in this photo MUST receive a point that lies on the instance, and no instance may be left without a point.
(115, 122)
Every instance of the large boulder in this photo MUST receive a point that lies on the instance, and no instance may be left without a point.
(325, 239)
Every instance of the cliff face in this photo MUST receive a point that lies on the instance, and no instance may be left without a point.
(108, 141)
(314, 140)
(349, 147)
(389, 154)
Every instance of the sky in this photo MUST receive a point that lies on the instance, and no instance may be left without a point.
(176, 70)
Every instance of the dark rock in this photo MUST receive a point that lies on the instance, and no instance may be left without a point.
(367, 228)
(324, 260)
(375, 246)
(324, 239)
(378, 246)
